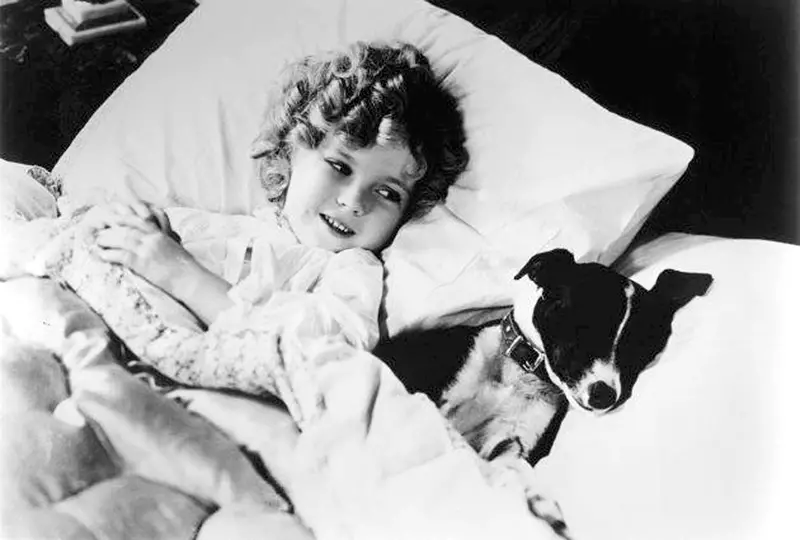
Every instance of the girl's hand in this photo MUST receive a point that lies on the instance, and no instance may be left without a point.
(118, 213)
(141, 245)
(139, 237)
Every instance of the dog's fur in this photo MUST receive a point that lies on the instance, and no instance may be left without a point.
(595, 331)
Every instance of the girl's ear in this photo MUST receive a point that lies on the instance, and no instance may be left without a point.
(545, 269)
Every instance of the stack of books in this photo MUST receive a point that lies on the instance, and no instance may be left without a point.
(77, 21)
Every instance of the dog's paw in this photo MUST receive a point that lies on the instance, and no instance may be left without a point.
(549, 511)
(511, 472)
(502, 448)
(508, 472)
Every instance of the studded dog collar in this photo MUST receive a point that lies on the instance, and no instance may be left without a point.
(518, 348)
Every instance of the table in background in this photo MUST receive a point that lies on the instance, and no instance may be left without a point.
(49, 90)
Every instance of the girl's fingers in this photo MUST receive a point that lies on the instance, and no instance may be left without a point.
(141, 209)
(136, 214)
(133, 222)
(144, 211)
(148, 212)
(98, 217)
(115, 214)
(163, 220)
(117, 256)
(126, 238)
(122, 209)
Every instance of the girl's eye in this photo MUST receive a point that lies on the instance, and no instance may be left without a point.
(390, 195)
(339, 167)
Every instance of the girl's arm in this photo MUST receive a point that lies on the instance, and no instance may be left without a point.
(289, 342)
(139, 238)
(200, 290)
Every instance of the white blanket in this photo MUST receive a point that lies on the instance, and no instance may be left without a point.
(375, 462)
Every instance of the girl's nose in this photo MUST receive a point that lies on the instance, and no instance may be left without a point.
(354, 198)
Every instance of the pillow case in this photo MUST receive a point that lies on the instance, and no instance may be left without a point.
(707, 445)
(549, 167)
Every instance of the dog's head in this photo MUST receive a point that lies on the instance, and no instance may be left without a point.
(598, 329)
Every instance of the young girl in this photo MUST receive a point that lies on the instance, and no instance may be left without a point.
(354, 144)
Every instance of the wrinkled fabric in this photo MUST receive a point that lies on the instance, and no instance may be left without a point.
(87, 450)
(293, 300)
(377, 462)
(122, 461)
(374, 462)
(21, 198)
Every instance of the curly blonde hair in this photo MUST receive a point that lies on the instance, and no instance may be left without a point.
(367, 94)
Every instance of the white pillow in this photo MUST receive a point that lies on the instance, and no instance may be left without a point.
(707, 445)
(549, 166)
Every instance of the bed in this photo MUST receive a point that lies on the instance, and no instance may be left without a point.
(703, 449)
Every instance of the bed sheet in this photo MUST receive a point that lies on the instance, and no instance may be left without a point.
(379, 464)
(89, 451)
(706, 448)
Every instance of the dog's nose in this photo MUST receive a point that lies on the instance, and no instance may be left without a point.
(601, 396)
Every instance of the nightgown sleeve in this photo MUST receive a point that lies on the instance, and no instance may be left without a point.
(298, 310)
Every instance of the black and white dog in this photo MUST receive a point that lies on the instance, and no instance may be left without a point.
(578, 335)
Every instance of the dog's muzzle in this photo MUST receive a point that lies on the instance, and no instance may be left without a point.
(601, 396)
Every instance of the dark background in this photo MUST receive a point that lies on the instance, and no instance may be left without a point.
(49, 90)
(718, 74)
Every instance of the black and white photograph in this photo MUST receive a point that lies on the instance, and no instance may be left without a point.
(399, 269)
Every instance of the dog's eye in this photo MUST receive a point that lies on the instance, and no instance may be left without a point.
(556, 299)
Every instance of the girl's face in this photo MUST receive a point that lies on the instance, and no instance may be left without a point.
(340, 198)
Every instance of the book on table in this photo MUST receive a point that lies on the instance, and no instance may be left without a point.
(78, 21)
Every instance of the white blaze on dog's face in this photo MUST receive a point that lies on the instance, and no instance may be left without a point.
(597, 391)
(599, 329)
(579, 322)
(599, 387)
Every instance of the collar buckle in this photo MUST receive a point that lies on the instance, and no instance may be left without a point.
(528, 356)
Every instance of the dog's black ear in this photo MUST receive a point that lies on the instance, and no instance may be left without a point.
(544, 269)
(677, 288)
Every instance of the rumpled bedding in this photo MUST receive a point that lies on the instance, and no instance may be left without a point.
(89, 451)
(294, 301)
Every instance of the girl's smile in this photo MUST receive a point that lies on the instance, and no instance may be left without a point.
(337, 226)
(340, 197)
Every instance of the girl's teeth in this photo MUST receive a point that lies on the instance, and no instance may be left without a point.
(337, 226)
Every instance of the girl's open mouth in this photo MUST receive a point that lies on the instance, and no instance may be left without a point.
(337, 227)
